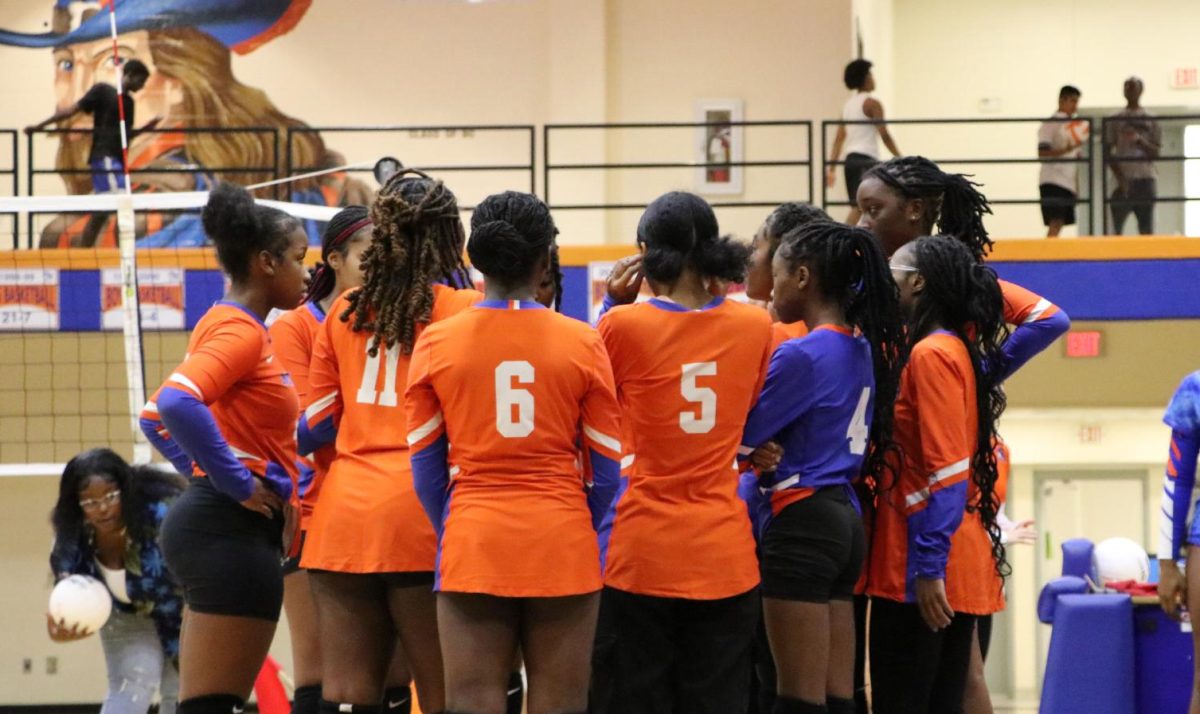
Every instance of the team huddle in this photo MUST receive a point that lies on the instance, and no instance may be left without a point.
(697, 506)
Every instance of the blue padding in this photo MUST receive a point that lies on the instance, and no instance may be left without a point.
(1048, 599)
(79, 300)
(201, 288)
(575, 292)
(1077, 558)
(1090, 669)
(1113, 289)
(1163, 659)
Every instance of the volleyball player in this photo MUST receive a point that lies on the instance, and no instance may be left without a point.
(231, 408)
(370, 550)
(784, 219)
(1177, 539)
(828, 401)
(929, 577)
(906, 198)
(514, 387)
(346, 237)
(680, 602)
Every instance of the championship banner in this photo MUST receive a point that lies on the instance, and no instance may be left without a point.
(29, 299)
(161, 293)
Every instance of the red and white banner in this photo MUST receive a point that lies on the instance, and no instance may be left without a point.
(29, 299)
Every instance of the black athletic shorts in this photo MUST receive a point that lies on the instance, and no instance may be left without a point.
(1058, 203)
(416, 578)
(813, 551)
(292, 565)
(227, 558)
(857, 165)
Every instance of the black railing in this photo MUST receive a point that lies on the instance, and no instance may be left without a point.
(388, 148)
(1113, 124)
(1086, 160)
(13, 172)
(550, 166)
(184, 168)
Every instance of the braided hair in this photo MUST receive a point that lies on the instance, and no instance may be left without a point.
(336, 239)
(556, 275)
(788, 217)
(417, 241)
(510, 233)
(850, 268)
(963, 296)
(953, 202)
(680, 231)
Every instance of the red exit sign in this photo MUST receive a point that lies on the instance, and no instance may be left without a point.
(1084, 343)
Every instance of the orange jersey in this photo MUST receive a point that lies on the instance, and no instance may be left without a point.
(293, 335)
(919, 525)
(782, 332)
(686, 380)
(1023, 306)
(231, 368)
(501, 397)
(368, 519)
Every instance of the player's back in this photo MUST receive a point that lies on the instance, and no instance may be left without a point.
(686, 380)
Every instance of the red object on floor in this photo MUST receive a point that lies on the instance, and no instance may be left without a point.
(1133, 587)
(269, 690)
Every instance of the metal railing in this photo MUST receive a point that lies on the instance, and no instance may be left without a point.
(13, 172)
(529, 148)
(952, 161)
(32, 170)
(550, 166)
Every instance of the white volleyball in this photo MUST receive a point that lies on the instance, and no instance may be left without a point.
(1121, 559)
(81, 601)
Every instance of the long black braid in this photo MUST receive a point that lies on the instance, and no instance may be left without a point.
(850, 268)
(963, 296)
(953, 203)
(418, 241)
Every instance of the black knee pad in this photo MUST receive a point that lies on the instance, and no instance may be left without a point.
(212, 704)
(397, 700)
(516, 693)
(840, 706)
(328, 707)
(307, 699)
(788, 705)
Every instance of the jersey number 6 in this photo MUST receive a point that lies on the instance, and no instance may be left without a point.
(514, 406)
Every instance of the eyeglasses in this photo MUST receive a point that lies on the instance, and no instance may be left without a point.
(95, 504)
(903, 269)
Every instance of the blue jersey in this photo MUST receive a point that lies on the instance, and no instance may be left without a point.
(1179, 484)
(817, 403)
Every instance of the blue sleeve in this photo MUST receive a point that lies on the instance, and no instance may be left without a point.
(192, 425)
(930, 529)
(312, 437)
(786, 394)
(431, 479)
(758, 504)
(1178, 485)
(1183, 413)
(606, 304)
(1029, 339)
(606, 479)
(168, 447)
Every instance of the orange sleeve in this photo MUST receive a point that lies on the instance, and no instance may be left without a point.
(324, 398)
(600, 411)
(421, 404)
(1021, 305)
(947, 443)
(230, 350)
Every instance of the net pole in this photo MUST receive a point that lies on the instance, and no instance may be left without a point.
(131, 309)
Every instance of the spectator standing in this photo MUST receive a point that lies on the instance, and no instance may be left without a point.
(860, 139)
(1060, 138)
(1132, 141)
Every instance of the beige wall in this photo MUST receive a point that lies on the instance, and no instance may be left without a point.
(949, 55)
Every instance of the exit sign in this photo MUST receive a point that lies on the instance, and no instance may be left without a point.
(1084, 343)
(1185, 78)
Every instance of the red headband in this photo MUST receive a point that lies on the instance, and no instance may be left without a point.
(346, 233)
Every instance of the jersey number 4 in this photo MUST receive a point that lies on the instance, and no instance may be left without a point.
(514, 406)
(858, 433)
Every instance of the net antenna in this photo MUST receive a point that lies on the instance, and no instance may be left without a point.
(131, 327)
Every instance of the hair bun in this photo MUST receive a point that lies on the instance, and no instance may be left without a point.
(229, 214)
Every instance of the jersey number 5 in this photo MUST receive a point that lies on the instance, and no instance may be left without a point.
(703, 396)
(859, 432)
(514, 406)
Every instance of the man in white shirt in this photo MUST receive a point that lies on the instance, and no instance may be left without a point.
(1061, 138)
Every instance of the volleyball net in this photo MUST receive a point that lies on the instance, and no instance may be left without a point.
(86, 332)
